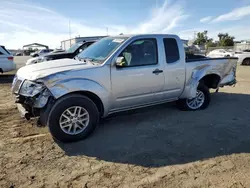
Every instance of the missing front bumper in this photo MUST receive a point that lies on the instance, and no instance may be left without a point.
(23, 112)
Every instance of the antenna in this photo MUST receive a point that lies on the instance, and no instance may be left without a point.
(107, 31)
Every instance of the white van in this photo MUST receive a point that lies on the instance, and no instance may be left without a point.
(6, 60)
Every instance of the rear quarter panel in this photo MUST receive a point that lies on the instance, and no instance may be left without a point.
(225, 68)
(5, 64)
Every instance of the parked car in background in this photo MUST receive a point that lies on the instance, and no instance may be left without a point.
(18, 54)
(220, 53)
(41, 52)
(57, 50)
(116, 74)
(6, 60)
(243, 57)
(70, 53)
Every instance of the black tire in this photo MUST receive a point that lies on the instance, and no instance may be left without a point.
(182, 103)
(64, 103)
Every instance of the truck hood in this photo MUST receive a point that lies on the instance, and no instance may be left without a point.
(41, 70)
(59, 55)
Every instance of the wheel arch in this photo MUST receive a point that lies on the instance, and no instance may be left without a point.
(89, 88)
(92, 96)
(211, 80)
(246, 58)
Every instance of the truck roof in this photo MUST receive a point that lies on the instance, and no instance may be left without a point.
(141, 35)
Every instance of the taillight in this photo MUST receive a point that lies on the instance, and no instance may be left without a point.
(10, 58)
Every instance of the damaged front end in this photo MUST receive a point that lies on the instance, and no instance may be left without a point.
(31, 97)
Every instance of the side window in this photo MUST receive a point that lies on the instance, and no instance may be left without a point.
(139, 53)
(171, 50)
(83, 47)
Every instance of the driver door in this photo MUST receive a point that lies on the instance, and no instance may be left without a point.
(140, 80)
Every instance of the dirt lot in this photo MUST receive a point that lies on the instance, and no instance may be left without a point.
(155, 147)
(21, 60)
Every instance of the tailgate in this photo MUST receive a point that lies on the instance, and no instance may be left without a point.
(229, 77)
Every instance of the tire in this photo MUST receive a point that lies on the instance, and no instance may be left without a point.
(182, 104)
(70, 102)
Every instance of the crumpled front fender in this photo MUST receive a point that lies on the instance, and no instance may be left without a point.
(67, 86)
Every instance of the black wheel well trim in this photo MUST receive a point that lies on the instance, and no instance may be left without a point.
(211, 80)
(246, 58)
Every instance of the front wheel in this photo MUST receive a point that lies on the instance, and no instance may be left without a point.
(73, 118)
(200, 102)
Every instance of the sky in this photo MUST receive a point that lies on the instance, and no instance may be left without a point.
(47, 22)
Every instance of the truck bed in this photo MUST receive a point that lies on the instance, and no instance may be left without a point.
(224, 67)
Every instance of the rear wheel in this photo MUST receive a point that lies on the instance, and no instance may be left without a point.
(200, 102)
(73, 118)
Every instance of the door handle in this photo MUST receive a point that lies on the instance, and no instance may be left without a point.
(157, 71)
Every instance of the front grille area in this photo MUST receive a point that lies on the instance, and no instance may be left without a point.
(16, 86)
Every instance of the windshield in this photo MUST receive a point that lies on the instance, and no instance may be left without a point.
(74, 47)
(100, 50)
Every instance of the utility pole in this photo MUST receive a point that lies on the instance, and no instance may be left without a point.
(107, 29)
(69, 33)
(195, 33)
(156, 3)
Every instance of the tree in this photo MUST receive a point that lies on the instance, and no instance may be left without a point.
(225, 39)
(202, 38)
(211, 44)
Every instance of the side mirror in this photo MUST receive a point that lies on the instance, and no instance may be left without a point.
(119, 62)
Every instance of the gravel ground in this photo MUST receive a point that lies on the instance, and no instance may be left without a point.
(154, 147)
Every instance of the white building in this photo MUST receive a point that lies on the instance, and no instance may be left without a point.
(66, 44)
(242, 45)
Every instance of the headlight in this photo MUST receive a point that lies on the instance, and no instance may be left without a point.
(30, 89)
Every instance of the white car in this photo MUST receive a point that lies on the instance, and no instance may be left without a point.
(40, 52)
(243, 57)
(6, 60)
(37, 59)
(33, 60)
(220, 53)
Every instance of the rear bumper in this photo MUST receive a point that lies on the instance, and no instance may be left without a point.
(233, 82)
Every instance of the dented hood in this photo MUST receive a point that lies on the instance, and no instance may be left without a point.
(41, 70)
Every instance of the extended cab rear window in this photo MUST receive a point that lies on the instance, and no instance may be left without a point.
(171, 50)
(4, 49)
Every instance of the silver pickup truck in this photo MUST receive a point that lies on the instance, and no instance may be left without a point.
(115, 74)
